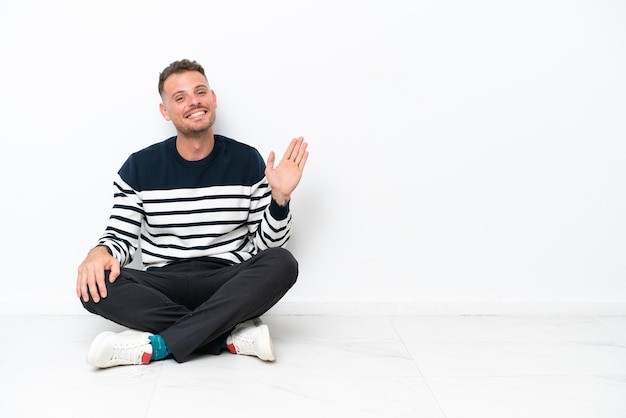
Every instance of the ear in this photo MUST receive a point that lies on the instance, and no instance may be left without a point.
(163, 111)
(214, 99)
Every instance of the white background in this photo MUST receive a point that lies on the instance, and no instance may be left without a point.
(466, 156)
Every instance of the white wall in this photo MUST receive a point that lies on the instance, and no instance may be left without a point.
(465, 156)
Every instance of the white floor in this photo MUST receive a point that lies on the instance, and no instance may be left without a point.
(332, 366)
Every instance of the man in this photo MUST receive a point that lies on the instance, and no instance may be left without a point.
(211, 219)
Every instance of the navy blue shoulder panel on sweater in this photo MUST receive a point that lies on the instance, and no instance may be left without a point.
(160, 166)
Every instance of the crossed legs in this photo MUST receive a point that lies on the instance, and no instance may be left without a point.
(194, 305)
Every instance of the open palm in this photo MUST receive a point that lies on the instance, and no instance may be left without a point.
(284, 178)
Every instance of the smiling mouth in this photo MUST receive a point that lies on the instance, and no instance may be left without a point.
(196, 114)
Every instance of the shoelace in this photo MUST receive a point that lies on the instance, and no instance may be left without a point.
(128, 352)
(244, 344)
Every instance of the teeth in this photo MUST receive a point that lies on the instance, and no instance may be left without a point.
(193, 115)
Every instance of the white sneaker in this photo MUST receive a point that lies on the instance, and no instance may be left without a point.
(110, 349)
(252, 338)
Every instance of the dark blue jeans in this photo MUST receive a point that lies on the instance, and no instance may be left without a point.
(194, 305)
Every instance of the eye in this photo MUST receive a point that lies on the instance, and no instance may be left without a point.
(179, 99)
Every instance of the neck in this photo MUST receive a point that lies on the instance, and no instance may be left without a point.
(195, 147)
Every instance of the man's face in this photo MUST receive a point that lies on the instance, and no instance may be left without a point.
(189, 103)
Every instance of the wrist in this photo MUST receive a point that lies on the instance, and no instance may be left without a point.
(280, 199)
(97, 248)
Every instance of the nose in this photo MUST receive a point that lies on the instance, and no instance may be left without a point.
(194, 99)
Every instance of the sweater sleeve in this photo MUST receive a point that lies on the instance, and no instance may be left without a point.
(272, 222)
(121, 236)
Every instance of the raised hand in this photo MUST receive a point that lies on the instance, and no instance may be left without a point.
(284, 178)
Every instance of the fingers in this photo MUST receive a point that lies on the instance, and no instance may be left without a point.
(82, 289)
(296, 151)
(290, 149)
(88, 285)
(270, 160)
(97, 286)
(114, 273)
(302, 155)
(92, 275)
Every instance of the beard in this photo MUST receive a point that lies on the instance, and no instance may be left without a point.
(196, 130)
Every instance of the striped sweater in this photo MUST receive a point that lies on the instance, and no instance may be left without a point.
(219, 208)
